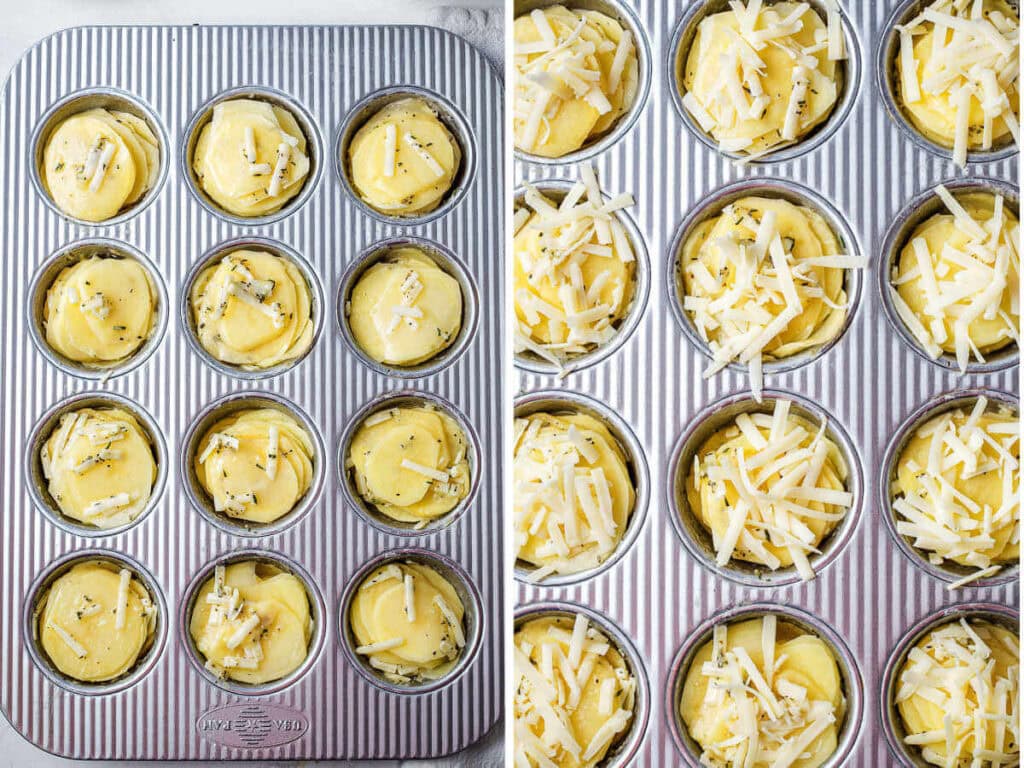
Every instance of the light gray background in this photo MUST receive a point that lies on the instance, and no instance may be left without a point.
(26, 21)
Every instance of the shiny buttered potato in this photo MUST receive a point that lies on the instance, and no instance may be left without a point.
(576, 75)
(253, 309)
(410, 463)
(252, 622)
(568, 672)
(407, 620)
(764, 280)
(251, 158)
(256, 465)
(760, 77)
(405, 309)
(100, 466)
(550, 451)
(100, 310)
(403, 160)
(99, 162)
(764, 684)
(95, 622)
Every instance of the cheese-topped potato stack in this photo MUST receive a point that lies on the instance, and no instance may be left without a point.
(764, 693)
(769, 488)
(405, 309)
(760, 77)
(574, 272)
(576, 75)
(253, 309)
(574, 693)
(957, 485)
(764, 280)
(957, 71)
(252, 622)
(956, 283)
(96, 621)
(256, 465)
(957, 695)
(573, 492)
(410, 463)
(100, 310)
(403, 160)
(250, 159)
(99, 466)
(408, 622)
(99, 162)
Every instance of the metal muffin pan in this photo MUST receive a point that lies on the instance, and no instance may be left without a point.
(868, 383)
(326, 710)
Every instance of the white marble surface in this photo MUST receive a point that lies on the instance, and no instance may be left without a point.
(25, 22)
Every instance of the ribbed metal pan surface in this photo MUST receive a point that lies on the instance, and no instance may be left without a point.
(173, 711)
(870, 382)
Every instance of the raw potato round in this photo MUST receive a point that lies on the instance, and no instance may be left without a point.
(410, 463)
(805, 234)
(555, 113)
(253, 309)
(98, 162)
(77, 623)
(414, 176)
(987, 334)
(251, 180)
(430, 642)
(804, 680)
(596, 719)
(255, 465)
(760, 124)
(715, 501)
(965, 492)
(934, 114)
(944, 661)
(548, 446)
(252, 622)
(406, 280)
(100, 310)
(100, 466)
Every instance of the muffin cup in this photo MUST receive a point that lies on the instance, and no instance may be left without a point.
(314, 150)
(318, 614)
(887, 75)
(892, 723)
(562, 401)
(848, 70)
(93, 98)
(473, 619)
(695, 535)
(623, 13)
(368, 512)
(48, 422)
(30, 622)
(452, 118)
(556, 190)
(853, 685)
(447, 262)
(70, 255)
(916, 212)
(214, 255)
(783, 189)
(227, 406)
(628, 746)
(948, 572)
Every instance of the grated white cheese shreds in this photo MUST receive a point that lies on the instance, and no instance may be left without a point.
(121, 611)
(77, 648)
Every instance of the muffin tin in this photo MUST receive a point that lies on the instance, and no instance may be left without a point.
(170, 707)
(662, 593)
